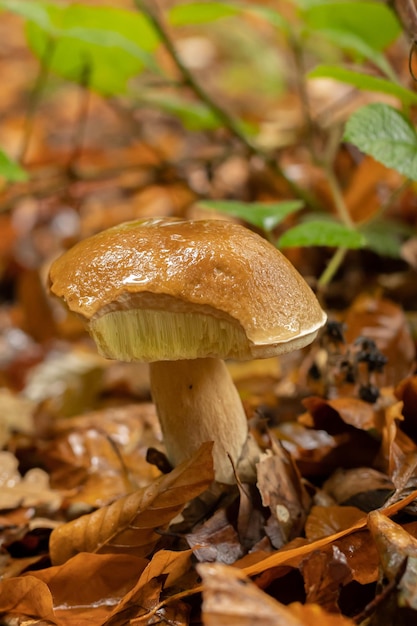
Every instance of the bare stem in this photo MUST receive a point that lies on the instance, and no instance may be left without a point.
(35, 98)
(82, 119)
(228, 121)
(407, 13)
(332, 267)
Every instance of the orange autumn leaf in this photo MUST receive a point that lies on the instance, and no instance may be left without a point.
(129, 524)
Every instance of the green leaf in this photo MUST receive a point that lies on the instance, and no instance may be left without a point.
(355, 45)
(10, 170)
(385, 134)
(31, 11)
(200, 12)
(264, 216)
(270, 15)
(322, 233)
(193, 115)
(112, 44)
(385, 237)
(372, 22)
(365, 82)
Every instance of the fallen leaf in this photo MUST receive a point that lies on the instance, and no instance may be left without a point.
(230, 599)
(31, 490)
(383, 321)
(395, 545)
(26, 596)
(327, 520)
(325, 573)
(216, 540)
(282, 490)
(364, 487)
(142, 602)
(129, 524)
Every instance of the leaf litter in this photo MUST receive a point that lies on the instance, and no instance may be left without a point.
(93, 533)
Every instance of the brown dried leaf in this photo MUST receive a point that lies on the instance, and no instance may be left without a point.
(16, 415)
(326, 520)
(294, 555)
(359, 484)
(85, 588)
(406, 391)
(383, 321)
(216, 540)
(102, 454)
(129, 524)
(230, 599)
(164, 570)
(68, 381)
(282, 490)
(27, 596)
(351, 411)
(349, 421)
(393, 542)
(32, 490)
(363, 197)
(361, 556)
(325, 573)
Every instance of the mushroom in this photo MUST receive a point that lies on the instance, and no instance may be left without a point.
(184, 295)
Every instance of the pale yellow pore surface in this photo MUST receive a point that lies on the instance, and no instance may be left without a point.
(151, 335)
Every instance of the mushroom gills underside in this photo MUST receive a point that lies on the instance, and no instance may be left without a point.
(156, 335)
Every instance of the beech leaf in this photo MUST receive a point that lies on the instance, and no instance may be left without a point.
(27, 596)
(230, 599)
(129, 524)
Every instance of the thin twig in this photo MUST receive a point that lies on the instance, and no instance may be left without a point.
(35, 98)
(407, 14)
(228, 121)
(82, 119)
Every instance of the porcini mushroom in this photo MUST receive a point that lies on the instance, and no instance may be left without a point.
(184, 295)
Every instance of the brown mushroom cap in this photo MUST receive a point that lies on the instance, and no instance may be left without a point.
(171, 276)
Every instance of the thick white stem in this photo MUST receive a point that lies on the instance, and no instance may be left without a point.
(197, 401)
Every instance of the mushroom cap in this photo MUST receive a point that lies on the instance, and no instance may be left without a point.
(173, 278)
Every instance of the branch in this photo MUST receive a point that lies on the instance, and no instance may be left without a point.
(407, 14)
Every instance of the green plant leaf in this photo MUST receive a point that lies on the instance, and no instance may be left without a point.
(385, 134)
(193, 115)
(386, 236)
(200, 12)
(355, 45)
(112, 44)
(365, 82)
(30, 11)
(372, 22)
(322, 233)
(10, 170)
(264, 216)
(273, 16)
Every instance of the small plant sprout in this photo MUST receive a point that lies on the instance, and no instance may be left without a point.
(183, 296)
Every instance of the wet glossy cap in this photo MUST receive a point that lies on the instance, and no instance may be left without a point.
(167, 289)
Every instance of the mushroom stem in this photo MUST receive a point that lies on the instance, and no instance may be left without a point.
(197, 401)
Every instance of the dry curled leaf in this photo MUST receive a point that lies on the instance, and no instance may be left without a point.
(129, 524)
(326, 520)
(230, 599)
(26, 596)
(143, 601)
(395, 545)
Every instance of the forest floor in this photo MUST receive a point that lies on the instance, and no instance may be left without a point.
(92, 530)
